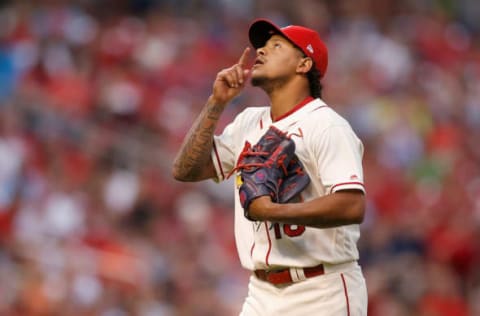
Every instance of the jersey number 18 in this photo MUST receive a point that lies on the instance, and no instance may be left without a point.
(289, 230)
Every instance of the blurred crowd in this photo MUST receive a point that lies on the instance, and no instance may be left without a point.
(96, 96)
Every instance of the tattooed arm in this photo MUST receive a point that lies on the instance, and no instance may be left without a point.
(193, 161)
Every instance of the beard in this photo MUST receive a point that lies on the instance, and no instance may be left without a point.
(267, 84)
(259, 81)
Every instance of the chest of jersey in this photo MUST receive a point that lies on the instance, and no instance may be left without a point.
(302, 151)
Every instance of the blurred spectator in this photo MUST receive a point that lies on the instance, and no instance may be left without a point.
(96, 95)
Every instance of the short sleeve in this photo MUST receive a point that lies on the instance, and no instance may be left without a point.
(339, 153)
(223, 153)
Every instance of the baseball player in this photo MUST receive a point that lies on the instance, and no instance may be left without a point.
(301, 249)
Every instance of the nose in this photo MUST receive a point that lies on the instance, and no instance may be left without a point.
(261, 50)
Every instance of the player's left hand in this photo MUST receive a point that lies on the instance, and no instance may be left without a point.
(270, 168)
(263, 166)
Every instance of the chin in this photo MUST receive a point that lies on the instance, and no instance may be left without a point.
(258, 81)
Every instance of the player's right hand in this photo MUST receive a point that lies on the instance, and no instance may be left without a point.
(230, 81)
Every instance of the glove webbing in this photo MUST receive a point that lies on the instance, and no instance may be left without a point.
(248, 152)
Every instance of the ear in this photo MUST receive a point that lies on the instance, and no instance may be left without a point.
(304, 65)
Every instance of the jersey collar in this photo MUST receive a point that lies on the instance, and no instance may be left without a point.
(294, 109)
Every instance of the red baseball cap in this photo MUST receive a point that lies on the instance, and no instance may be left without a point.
(307, 40)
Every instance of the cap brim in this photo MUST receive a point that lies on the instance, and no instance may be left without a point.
(260, 32)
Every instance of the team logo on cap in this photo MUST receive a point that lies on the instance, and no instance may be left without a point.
(310, 48)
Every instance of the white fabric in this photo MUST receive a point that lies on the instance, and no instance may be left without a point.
(342, 292)
(332, 156)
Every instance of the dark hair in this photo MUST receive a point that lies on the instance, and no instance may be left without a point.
(313, 76)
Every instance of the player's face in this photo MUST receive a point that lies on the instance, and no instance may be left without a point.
(276, 61)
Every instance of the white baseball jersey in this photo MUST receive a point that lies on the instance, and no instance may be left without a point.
(331, 154)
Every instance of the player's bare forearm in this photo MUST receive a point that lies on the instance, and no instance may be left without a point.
(193, 161)
(340, 208)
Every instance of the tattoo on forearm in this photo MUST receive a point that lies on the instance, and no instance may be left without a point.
(195, 152)
(214, 112)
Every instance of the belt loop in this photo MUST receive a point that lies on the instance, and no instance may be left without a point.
(297, 274)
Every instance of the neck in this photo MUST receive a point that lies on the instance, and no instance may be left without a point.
(285, 99)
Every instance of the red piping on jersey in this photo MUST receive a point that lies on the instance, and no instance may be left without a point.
(261, 124)
(345, 183)
(293, 123)
(345, 290)
(299, 134)
(218, 160)
(320, 107)
(294, 109)
(251, 249)
(269, 244)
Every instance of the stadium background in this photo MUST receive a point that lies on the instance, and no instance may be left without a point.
(95, 97)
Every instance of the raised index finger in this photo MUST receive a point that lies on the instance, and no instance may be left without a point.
(243, 59)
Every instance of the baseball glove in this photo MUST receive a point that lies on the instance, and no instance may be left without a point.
(270, 168)
(294, 182)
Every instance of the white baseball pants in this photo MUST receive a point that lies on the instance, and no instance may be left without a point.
(341, 291)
